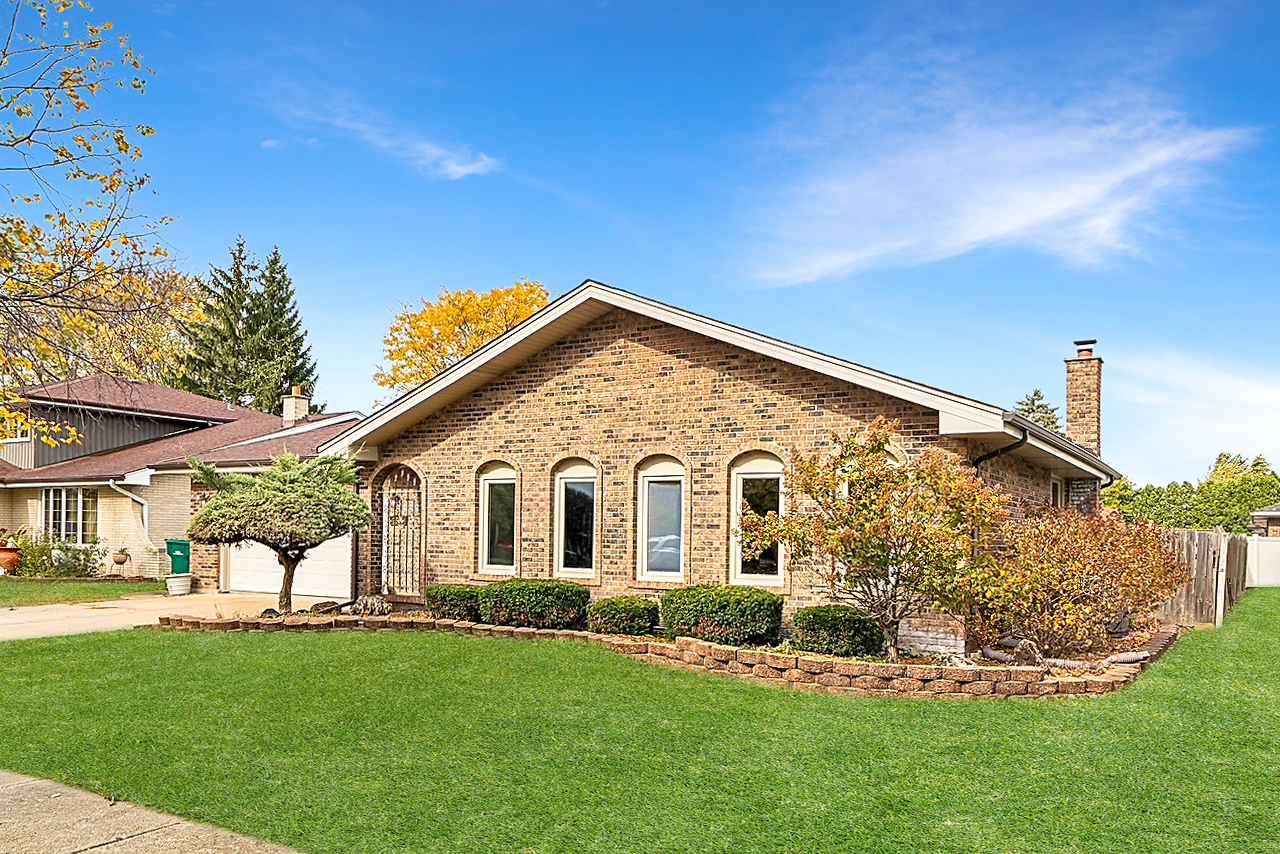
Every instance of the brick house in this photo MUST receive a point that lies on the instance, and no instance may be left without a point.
(126, 483)
(1266, 521)
(610, 439)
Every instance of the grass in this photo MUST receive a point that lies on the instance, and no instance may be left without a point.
(442, 743)
(16, 593)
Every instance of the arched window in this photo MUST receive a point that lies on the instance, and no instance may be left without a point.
(498, 519)
(756, 479)
(661, 547)
(402, 517)
(575, 520)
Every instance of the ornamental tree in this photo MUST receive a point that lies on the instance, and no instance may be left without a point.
(890, 536)
(422, 343)
(291, 507)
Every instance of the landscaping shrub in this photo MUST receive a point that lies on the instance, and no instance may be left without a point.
(42, 554)
(1067, 578)
(453, 601)
(623, 615)
(837, 630)
(538, 603)
(732, 615)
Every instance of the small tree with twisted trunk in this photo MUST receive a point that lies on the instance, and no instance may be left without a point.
(891, 537)
(291, 507)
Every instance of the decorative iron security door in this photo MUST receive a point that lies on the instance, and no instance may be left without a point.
(402, 534)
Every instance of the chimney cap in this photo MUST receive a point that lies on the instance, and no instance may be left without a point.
(1088, 342)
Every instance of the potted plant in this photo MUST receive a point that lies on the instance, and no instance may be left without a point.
(121, 557)
(9, 555)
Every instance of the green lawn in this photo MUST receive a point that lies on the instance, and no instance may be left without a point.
(421, 742)
(47, 593)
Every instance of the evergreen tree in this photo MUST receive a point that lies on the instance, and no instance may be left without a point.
(1034, 408)
(216, 363)
(278, 352)
(250, 349)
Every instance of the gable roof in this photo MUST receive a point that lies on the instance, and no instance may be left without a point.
(957, 415)
(117, 394)
(1268, 512)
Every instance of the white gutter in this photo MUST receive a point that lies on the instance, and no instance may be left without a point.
(146, 509)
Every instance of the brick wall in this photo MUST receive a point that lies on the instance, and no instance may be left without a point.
(1084, 402)
(1273, 527)
(205, 560)
(615, 392)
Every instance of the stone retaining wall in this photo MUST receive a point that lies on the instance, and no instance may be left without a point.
(829, 675)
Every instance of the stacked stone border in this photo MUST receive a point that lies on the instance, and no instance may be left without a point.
(827, 675)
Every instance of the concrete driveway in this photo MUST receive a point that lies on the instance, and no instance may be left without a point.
(38, 621)
(41, 817)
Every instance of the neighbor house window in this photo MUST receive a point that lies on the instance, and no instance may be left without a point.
(498, 519)
(575, 534)
(757, 483)
(71, 513)
(661, 519)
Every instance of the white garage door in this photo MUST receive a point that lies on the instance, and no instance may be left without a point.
(325, 572)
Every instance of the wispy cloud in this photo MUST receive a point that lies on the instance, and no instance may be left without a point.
(913, 153)
(430, 157)
(1181, 411)
(271, 143)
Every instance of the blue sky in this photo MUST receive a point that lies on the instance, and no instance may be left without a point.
(948, 192)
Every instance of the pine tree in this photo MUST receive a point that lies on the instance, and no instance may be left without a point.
(216, 363)
(1034, 408)
(250, 349)
(278, 352)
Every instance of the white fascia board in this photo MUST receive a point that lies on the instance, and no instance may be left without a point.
(410, 407)
(965, 424)
(54, 483)
(141, 477)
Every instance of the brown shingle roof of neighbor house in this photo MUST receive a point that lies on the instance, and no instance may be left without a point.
(116, 463)
(302, 440)
(253, 439)
(139, 396)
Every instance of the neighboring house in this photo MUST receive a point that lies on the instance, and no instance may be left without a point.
(611, 440)
(126, 483)
(1266, 522)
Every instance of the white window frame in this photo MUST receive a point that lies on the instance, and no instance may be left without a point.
(661, 469)
(758, 465)
(492, 474)
(1062, 492)
(60, 533)
(575, 471)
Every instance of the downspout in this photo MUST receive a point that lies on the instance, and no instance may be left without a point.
(977, 464)
(146, 509)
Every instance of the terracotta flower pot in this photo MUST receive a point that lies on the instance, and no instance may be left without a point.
(9, 559)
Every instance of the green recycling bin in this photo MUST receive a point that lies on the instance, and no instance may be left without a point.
(179, 555)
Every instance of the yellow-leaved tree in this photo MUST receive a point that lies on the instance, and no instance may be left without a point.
(423, 342)
(80, 274)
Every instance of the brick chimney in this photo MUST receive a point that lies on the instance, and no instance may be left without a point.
(1084, 398)
(296, 406)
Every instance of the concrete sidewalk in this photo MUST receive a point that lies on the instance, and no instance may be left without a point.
(42, 817)
(38, 621)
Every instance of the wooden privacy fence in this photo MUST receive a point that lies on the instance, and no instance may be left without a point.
(1218, 562)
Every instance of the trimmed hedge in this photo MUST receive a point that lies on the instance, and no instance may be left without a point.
(453, 601)
(741, 616)
(623, 615)
(536, 603)
(837, 630)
